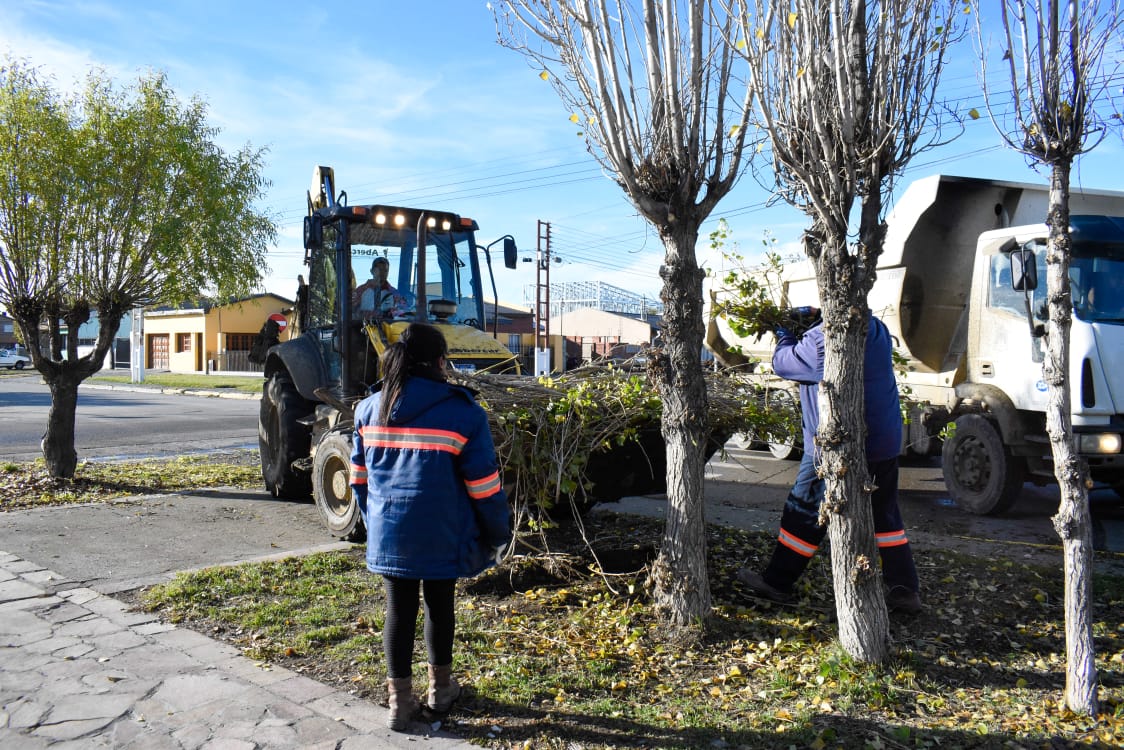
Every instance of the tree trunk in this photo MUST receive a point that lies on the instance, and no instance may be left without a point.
(681, 586)
(58, 441)
(1072, 521)
(864, 623)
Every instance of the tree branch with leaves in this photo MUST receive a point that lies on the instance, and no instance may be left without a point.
(114, 199)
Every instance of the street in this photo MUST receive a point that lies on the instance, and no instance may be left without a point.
(124, 423)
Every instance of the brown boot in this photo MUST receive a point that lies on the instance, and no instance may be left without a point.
(403, 704)
(443, 688)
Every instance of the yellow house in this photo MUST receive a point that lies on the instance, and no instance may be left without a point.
(210, 337)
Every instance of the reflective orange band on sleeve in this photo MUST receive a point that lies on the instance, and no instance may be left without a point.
(478, 489)
(358, 474)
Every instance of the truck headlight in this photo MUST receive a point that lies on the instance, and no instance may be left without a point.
(1105, 442)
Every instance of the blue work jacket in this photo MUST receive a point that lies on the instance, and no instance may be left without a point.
(429, 483)
(801, 360)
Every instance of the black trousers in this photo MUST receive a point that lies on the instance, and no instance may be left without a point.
(402, 617)
(801, 532)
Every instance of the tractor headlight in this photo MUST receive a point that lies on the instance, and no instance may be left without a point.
(1102, 442)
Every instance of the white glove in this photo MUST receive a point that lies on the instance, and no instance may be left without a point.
(499, 553)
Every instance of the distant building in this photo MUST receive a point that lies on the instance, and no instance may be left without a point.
(210, 337)
(8, 338)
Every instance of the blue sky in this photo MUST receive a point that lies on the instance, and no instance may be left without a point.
(414, 103)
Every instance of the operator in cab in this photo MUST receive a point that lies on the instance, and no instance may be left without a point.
(377, 296)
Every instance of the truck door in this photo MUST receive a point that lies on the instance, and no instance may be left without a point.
(1006, 355)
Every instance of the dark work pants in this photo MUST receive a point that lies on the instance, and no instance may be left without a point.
(402, 617)
(801, 533)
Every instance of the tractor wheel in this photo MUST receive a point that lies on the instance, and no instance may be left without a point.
(331, 488)
(981, 474)
(282, 439)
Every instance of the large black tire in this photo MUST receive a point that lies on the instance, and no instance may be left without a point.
(282, 439)
(19, 364)
(981, 474)
(331, 488)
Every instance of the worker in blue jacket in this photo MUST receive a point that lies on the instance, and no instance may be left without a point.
(801, 359)
(424, 471)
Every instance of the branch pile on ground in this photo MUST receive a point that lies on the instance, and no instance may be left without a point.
(547, 429)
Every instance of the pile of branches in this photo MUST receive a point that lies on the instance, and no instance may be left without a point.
(547, 429)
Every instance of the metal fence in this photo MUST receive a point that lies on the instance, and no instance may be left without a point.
(234, 361)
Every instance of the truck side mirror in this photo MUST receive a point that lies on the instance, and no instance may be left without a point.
(510, 252)
(1024, 270)
(313, 232)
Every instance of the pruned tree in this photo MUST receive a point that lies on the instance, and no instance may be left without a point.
(1054, 75)
(113, 200)
(652, 85)
(845, 94)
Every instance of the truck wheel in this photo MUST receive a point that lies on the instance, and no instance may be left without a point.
(789, 448)
(331, 488)
(981, 474)
(19, 364)
(282, 439)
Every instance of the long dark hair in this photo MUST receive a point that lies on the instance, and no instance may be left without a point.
(417, 353)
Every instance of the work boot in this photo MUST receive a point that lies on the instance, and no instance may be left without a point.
(902, 599)
(752, 580)
(443, 688)
(403, 704)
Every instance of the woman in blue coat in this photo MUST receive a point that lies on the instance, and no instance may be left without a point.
(424, 469)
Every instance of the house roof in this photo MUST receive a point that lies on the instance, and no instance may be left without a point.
(205, 306)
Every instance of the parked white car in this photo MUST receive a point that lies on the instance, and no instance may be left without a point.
(9, 359)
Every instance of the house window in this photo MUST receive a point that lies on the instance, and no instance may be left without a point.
(183, 342)
(239, 342)
(514, 342)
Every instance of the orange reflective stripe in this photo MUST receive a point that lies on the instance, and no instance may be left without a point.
(891, 538)
(797, 545)
(358, 474)
(478, 489)
(414, 438)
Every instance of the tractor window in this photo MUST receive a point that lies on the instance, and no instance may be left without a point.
(322, 283)
(384, 263)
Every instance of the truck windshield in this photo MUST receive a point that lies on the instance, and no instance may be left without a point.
(1097, 276)
(384, 265)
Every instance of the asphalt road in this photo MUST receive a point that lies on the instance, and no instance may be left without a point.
(123, 423)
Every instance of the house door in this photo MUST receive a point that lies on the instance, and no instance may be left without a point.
(158, 351)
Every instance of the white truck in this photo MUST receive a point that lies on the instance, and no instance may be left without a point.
(975, 347)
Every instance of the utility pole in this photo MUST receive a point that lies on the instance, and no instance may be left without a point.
(542, 300)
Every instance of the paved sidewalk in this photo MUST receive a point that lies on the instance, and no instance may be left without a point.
(78, 670)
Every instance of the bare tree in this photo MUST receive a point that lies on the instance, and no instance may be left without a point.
(845, 93)
(652, 84)
(1052, 57)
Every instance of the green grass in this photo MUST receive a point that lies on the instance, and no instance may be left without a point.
(242, 383)
(28, 484)
(558, 660)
